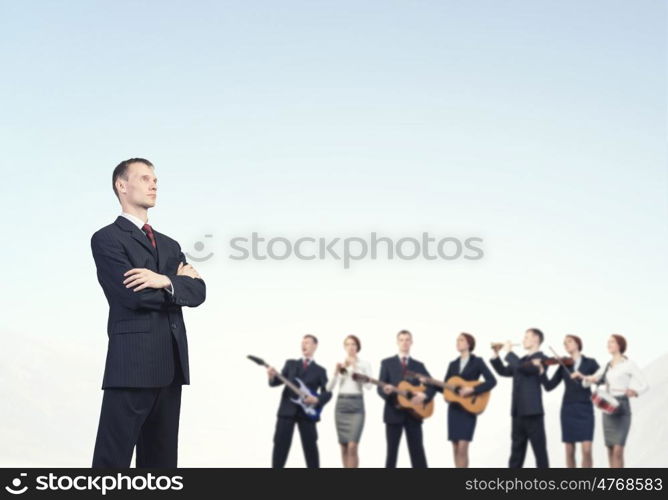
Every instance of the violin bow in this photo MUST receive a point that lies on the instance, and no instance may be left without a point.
(563, 365)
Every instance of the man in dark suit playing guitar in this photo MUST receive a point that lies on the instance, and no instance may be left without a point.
(526, 410)
(314, 379)
(392, 371)
(146, 280)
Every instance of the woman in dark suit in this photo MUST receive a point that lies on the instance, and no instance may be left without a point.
(577, 410)
(461, 423)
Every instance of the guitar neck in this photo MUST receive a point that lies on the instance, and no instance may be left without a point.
(380, 383)
(289, 384)
(440, 383)
(432, 381)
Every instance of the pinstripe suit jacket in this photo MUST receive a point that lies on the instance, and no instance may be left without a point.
(142, 324)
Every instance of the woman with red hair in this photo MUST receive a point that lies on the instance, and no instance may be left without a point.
(461, 423)
(624, 380)
(577, 410)
(349, 413)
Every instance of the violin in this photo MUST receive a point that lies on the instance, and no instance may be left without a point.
(568, 361)
(552, 361)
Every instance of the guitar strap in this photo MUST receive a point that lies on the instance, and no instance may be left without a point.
(602, 379)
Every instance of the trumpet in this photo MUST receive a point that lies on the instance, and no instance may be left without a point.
(499, 345)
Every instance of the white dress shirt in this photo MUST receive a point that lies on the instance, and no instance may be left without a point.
(140, 224)
(622, 376)
(462, 363)
(135, 220)
(347, 385)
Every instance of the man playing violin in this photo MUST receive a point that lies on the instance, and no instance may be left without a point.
(527, 413)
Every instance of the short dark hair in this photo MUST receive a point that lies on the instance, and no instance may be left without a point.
(356, 340)
(577, 340)
(621, 342)
(312, 337)
(121, 170)
(405, 332)
(470, 340)
(538, 334)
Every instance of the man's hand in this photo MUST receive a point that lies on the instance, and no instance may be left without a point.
(271, 372)
(388, 389)
(311, 400)
(576, 375)
(508, 346)
(466, 391)
(187, 270)
(418, 398)
(145, 278)
(631, 393)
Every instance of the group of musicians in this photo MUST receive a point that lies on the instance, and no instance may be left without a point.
(620, 379)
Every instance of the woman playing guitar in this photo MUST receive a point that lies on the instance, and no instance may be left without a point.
(461, 423)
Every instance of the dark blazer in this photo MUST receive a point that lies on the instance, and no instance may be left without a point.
(141, 325)
(574, 392)
(475, 367)
(392, 373)
(315, 378)
(527, 396)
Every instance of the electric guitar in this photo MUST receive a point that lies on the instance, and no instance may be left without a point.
(473, 403)
(301, 390)
(405, 392)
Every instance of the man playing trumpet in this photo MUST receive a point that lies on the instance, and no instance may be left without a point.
(526, 411)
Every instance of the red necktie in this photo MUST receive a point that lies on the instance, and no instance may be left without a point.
(403, 365)
(304, 364)
(149, 232)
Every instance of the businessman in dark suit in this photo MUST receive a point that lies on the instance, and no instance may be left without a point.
(146, 280)
(392, 371)
(289, 413)
(526, 410)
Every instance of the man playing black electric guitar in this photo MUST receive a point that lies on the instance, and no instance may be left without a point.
(291, 410)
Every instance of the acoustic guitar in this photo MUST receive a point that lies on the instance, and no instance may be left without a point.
(405, 392)
(473, 403)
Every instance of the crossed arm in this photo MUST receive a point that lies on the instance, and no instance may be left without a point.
(139, 288)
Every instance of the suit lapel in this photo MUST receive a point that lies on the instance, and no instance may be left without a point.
(136, 233)
(139, 236)
(300, 367)
(412, 365)
(398, 367)
(161, 250)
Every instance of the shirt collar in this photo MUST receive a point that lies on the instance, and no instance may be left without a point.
(134, 219)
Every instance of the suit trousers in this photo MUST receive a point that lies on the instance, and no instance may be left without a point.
(147, 418)
(285, 427)
(413, 436)
(528, 429)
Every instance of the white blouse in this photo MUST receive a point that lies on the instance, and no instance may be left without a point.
(346, 383)
(620, 377)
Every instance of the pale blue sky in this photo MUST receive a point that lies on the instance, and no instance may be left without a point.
(538, 125)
